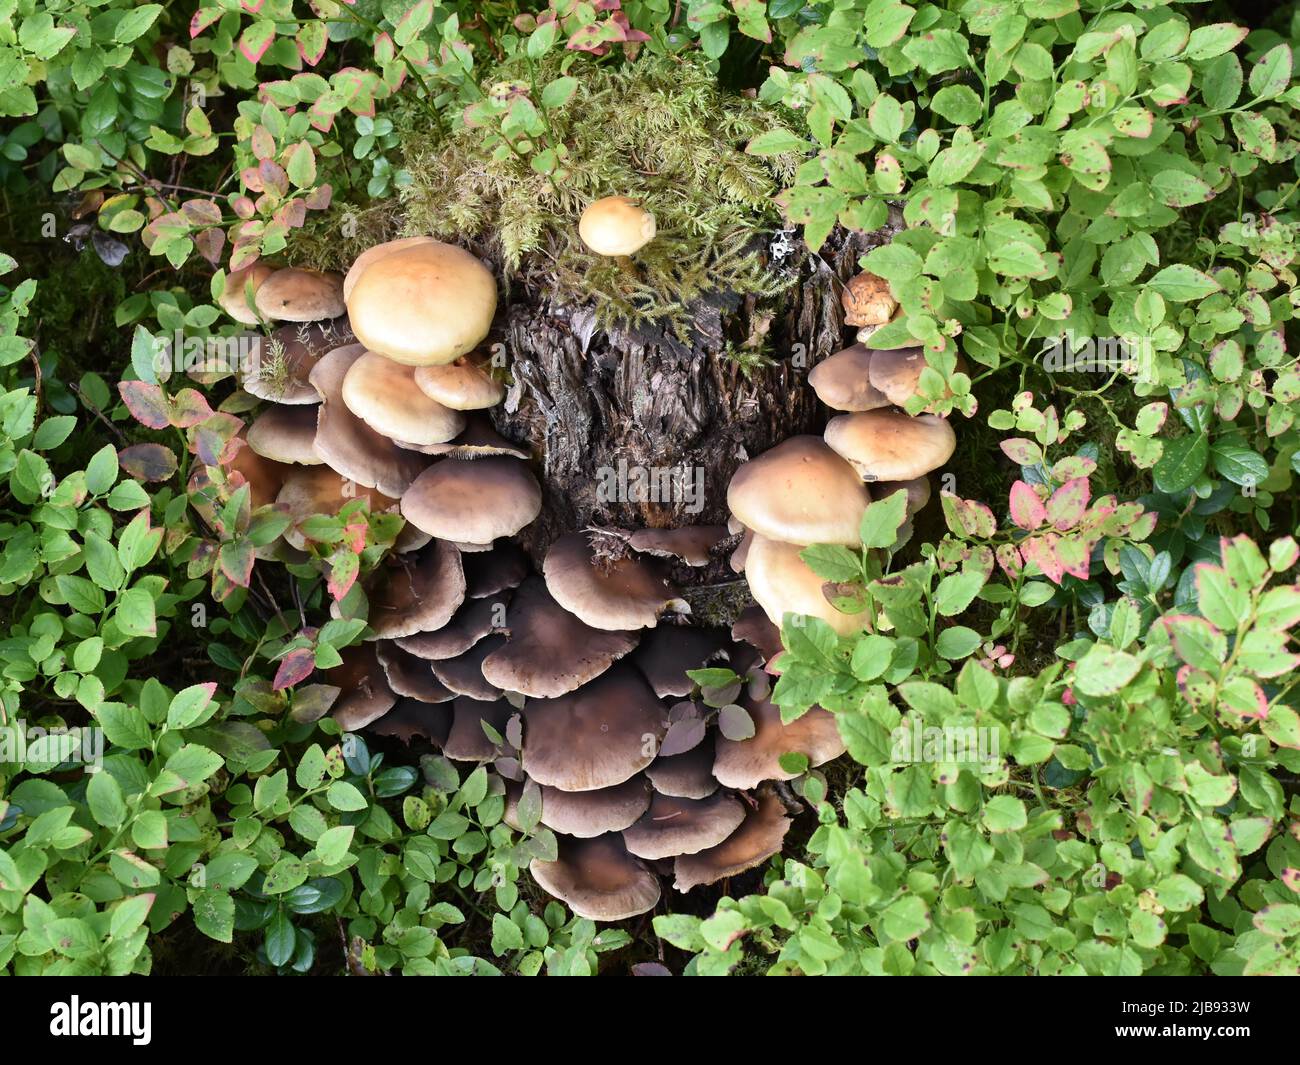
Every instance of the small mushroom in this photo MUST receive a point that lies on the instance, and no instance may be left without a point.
(460, 385)
(918, 491)
(867, 300)
(464, 673)
(800, 492)
(625, 593)
(595, 737)
(285, 361)
(424, 304)
(690, 543)
(674, 826)
(759, 837)
(897, 373)
(616, 226)
(843, 381)
(688, 775)
(755, 628)
(285, 434)
(364, 694)
(593, 813)
(410, 676)
(781, 582)
(296, 295)
(494, 571)
(265, 477)
(383, 394)
(417, 593)
(411, 718)
(747, 763)
(467, 742)
(311, 490)
(886, 445)
(475, 619)
(667, 652)
(598, 879)
(234, 296)
(473, 502)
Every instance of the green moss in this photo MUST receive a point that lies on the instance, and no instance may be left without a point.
(659, 131)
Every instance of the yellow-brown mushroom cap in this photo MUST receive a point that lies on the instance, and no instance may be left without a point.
(297, 295)
(781, 582)
(843, 381)
(615, 225)
(747, 763)
(867, 300)
(285, 434)
(372, 255)
(234, 296)
(383, 394)
(460, 385)
(473, 502)
(886, 445)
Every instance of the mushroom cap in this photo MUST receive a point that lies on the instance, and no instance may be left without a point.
(286, 358)
(627, 593)
(755, 628)
(460, 385)
(371, 255)
(759, 837)
(690, 543)
(265, 477)
(297, 295)
(674, 826)
(800, 492)
(781, 582)
(595, 737)
(475, 619)
(350, 446)
(598, 879)
(918, 491)
(747, 763)
(593, 813)
(382, 393)
(473, 502)
(688, 775)
(466, 741)
(285, 434)
(843, 381)
(741, 553)
(896, 373)
(478, 440)
(311, 490)
(233, 299)
(364, 694)
(551, 652)
(495, 571)
(667, 652)
(411, 718)
(417, 593)
(410, 676)
(615, 225)
(867, 300)
(464, 673)
(888, 445)
(424, 304)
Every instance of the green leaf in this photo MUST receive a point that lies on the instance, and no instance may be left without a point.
(332, 847)
(104, 797)
(214, 914)
(882, 520)
(1182, 463)
(343, 796)
(1182, 283)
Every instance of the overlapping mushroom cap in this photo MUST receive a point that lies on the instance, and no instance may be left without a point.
(422, 304)
(843, 381)
(473, 501)
(297, 295)
(383, 394)
(234, 298)
(598, 879)
(886, 445)
(782, 582)
(619, 593)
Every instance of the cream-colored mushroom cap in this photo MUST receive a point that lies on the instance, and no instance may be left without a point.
(885, 445)
(294, 295)
(473, 502)
(234, 297)
(372, 255)
(424, 305)
(843, 381)
(616, 226)
(800, 492)
(781, 582)
(382, 393)
(460, 385)
(897, 373)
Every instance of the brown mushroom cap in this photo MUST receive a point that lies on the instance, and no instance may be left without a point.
(464, 673)
(918, 491)
(467, 742)
(688, 775)
(896, 373)
(424, 304)
(759, 837)
(628, 593)
(347, 444)
(690, 543)
(416, 593)
(285, 434)
(411, 718)
(475, 619)
(755, 628)
(674, 826)
(265, 477)
(286, 358)
(383, 394)
(614, 225)
(312, 490)
(867, 300)
(460, 385)
(843, 381)
(747, 763)
(234, 296)
(410, 676)
(478, 440)
(364, 694)
(550, 652)
(296, 295)
(886, 445)
(781, 582)
(593, 813)
(495, 571)
(595, 737)
(371, 255)
(800, 492)
(598, 879)
(474, 502)
(667, 652)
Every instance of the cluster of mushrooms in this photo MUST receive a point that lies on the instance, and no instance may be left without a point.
(570, 681)
(810, 490)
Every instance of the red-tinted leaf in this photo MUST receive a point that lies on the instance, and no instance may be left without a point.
(211, 243)
(1074, 555)
(1008, 557)
(256, 39)
(343, 574)
(147, 403)
(148, 462)
(1027, 510)
(1021, 451)
(189, 408)
(1041, 550)
(294, 668)
(203, 18)
(236, 559)
(1066, 507)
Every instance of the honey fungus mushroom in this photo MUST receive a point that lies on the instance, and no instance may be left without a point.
(297, 295)
(615, 226)
(234, 298)
(461, 385)
(887, 445)
(843, 381)
(623, 593)
(384, 395)
(782, 582)
(424, 304)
